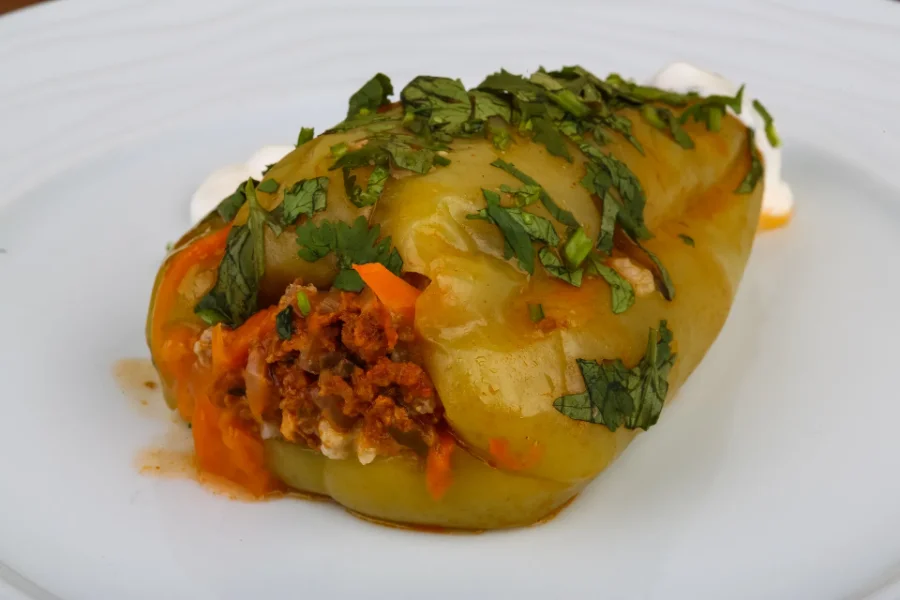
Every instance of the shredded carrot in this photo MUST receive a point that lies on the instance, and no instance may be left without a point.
(228, 447)
(230, 348)
(437, 466)
(397, 295)
(200, 250)
(506, 459)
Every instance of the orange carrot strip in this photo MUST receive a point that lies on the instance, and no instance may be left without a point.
(437, 466)
(200, 250)
(230, 448)
(506, 459)
(397, 295)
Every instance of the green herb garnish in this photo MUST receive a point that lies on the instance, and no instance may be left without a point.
(621, 292)
(229, 207)
(686, 239)
(354, 244)
(339, 149)
(756, 167)
(374, 186)
(233, 299)
(306, 197)
(769, 123)
(555, 267)
(616, 396)
(306, 134)
(269, 186)
(563, 216)
(284, 323)
(440, 103)
(577, 248)
(535, 312)
(371, 96)
(303, 303)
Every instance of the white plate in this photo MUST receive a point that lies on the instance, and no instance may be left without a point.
(775, 474)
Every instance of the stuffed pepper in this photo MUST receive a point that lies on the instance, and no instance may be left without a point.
(457, 308)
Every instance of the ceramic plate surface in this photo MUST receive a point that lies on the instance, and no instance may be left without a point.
(774, 474)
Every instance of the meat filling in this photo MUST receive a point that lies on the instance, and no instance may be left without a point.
(346, 381)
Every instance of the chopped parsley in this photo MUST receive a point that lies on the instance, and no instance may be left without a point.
(516, 236)
(306, 134)
(374, 186)
(269, 186)
(756, 167)
(306, 197)
(555, 267)
(233, 299)
(616, 396)
(560, 214)
(229, 207)
(354, 244)
(284, 323)
(686, 239)
(371, 96)
(621, 292)
(438, 103)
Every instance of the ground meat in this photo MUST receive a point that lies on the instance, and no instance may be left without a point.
(346, 382)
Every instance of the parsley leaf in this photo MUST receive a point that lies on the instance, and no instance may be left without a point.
(233, 298)
(306, 197)
(374, 186)
(269, 186)
(607, 224)
(229, 207)
(756, 168)
(371, 96)
(622, 294)
(563, 216)
(284, 323)
(441, 102)
(403, 151)
(668, 288)
(513, 228)
(622, 126)
(605, 171)
(616, 396)
(306, 134)
(487, 105)
(546, 133)
(354, 244)
(527, 194)
(555, 267)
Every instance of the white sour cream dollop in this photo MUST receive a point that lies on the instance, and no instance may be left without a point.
(222, 182)
(681, 77)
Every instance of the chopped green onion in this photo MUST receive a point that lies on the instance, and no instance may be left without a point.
(338, 150)
(303, 303)
(771, 134)
(536, 312)
(577, 247)
(652, 116)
